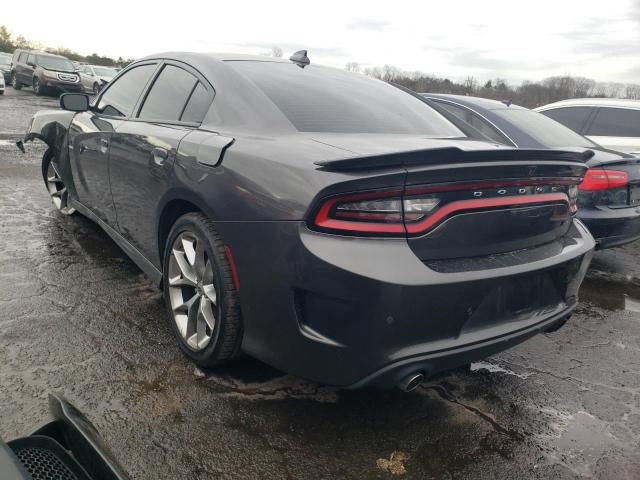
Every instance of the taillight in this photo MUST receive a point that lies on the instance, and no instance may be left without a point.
(416, 210)
(598, 179)
(371, 212)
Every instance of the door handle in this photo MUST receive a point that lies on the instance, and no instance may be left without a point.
(104, 145)
(159, 155)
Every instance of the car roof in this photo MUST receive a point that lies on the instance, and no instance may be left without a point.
(40, 52)
(466, 100)
(594, 102)
(186, 56)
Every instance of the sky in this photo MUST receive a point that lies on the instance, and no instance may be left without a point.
(514, 40)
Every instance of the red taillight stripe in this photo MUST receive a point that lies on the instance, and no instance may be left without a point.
(482, 203)
(232, 264)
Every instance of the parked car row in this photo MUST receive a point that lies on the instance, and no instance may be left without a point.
(49, 73)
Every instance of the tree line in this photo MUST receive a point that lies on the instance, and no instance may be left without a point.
(528, 94)
(9, 43)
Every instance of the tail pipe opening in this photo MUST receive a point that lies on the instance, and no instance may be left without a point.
(411, 382)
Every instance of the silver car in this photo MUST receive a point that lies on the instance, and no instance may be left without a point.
(95, 77)
(611, 122)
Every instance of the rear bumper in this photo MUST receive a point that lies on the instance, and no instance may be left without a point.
(355, 311)
(612, 227)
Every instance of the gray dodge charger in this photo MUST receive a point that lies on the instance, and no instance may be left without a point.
(329, 224)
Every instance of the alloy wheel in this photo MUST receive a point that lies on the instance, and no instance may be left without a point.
(58, 190)
(192, 290)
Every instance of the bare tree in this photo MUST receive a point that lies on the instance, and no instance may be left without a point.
(352, 67)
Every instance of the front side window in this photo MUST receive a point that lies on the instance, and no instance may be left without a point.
(31, 59)
(22, 58)
(121, 97)
(104, 71)
(320, 99)
(168, 95)
(616, 122)
(571, 117)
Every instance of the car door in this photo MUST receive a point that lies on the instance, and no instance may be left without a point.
(29, 68)
(90, 135)
(84, 76)
(616, 128)
(143, 150)
(575, 118)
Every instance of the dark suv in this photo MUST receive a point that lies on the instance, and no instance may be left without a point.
(44, 72)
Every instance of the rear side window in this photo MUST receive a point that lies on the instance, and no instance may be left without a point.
(197, 105)
(616, 122)
(572, 117)
(120, 98)
(476, 121)
(320, 99)
(168, 95)
(22, 58)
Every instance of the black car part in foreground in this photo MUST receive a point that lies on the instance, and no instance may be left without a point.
(609, 198)
(67, 448)
(327, 223)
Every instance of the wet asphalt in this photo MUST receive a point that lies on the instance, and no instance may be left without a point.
(78, 318)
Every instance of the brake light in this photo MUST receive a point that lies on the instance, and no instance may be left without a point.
(416, 210)
(598, 179)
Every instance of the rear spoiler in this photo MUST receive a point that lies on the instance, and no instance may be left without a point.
(452, 155)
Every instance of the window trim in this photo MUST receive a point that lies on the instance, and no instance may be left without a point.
(187, 68)
(473, 111)
(96, 102)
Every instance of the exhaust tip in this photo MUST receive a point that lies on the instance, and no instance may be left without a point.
(411, 382)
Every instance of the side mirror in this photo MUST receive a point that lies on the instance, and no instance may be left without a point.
(74, 102)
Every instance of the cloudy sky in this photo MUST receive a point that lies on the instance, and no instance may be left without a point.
(491, 38)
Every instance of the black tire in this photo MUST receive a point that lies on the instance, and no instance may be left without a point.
(37, 88)
(96, 88)
(14, 82)
(226, 336)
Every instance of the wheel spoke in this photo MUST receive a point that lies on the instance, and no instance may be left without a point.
(189, 250)
(210, 292)
(201, 332)
(60, 193)
(183, 264)
(199, 260)
(185, 306)
(180, 281)
(55, 170)
(207, 311)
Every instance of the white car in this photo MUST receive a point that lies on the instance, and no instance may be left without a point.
(1, 84)
(95, 77)
(610, 122)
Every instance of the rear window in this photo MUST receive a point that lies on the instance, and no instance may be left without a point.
(543, 129)
(319, 99)
(616, 122)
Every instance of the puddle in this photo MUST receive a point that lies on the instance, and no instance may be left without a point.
(492, 368)
(583, 440)
(611, 295)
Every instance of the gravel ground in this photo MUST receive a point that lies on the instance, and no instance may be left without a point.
(81, 320)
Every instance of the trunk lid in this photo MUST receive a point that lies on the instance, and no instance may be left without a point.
(461, 203)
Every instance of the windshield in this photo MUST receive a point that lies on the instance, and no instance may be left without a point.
(319, 99)
(55, 63)
(5, 60)
(105, 72)
(543, 129)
